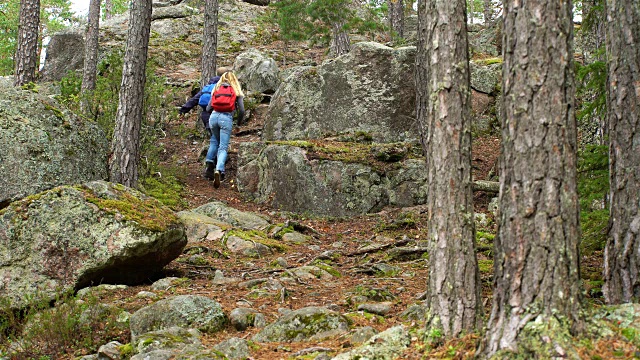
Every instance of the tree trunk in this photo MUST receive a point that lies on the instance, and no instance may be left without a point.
(488, 13)
(622, 253)
(123, 164)
(108, 9)
(340, 43)
(210, 41)
(536, 269)
(26, 59)
(396, 18)
(443, 90)
(91, 50)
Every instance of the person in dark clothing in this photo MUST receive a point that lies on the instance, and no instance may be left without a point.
(203, 101)
(191, 103)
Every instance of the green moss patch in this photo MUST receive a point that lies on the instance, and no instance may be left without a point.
(148, 212)
(380, 157)
(259, 237)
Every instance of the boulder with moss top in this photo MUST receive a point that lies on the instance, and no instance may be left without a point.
(222, 212)
(306, 324)
(42, 145)
(387, 345)
(71, 237)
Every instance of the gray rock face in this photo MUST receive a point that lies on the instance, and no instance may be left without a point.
(234, 348)
(485, 78)
(306, 324)
(285, 178)
(387, 345)
(43, 146)
(65, 52)
(227, 214)
(369, 90)
(257, 72)
(70, 237)
(185, 311)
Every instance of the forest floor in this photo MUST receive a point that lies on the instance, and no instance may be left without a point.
(345, 236)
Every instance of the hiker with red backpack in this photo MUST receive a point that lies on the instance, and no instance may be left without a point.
(226, 99)
(203, 98)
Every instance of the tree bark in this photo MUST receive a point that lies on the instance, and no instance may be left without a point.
(210, 41)
(123, 164)
(340, 43)
(622, 253)
(488, 13)
(26, 59)
(108, 9)
(396, 18)
(444, 115)
(536, 275)
(91, 50)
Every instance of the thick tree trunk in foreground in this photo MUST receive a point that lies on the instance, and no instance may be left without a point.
(123, 165)
(396, 18)
(210, 41)
(442, 83)
(536, 266)
(622, 253)
(26, 58)
(91, 50)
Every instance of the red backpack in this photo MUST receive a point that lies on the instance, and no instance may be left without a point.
(224, 99)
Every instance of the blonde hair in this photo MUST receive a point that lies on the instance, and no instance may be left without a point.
(231, 79)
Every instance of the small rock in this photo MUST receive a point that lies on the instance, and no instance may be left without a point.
(164, 284)
(282, 262)
(360, 335)
(376, 308)
(242, 318)
(295, 238)
(147, 294)
(110, 351)
(234, 348)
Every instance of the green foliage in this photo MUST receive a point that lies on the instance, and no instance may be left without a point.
(55, 15)
(155, 180)
(591, 80)
(593, 187)
(117, 7)
(69, 329)
(315, 20)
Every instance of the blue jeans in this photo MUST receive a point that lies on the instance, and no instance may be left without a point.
(221, 125)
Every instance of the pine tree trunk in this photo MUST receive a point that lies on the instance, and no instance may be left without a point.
(488, 13)
(443, 90)
(396, 18)
(622, 253)
(340, 43)
(91, 50)
(537, 275)
(108, 9)
(123, 164)
(210, 41)
(26, 58)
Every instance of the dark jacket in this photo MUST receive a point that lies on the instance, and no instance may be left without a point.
(191, 103)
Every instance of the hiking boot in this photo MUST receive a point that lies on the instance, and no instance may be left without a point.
(209, 171)
(216, 179)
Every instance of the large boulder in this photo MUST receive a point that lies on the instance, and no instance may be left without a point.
(65, 52)
(71, 237)
(257, 72)
(287, 177)
(43, 146)
(369, 90)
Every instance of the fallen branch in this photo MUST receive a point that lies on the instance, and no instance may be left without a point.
(486, 186)
(379, 247)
